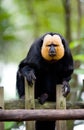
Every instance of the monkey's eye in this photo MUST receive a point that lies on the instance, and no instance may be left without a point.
(55, 45)
(52, 45)
(48, 45)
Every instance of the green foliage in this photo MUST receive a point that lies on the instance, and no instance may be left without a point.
(79, 57)
(79, 71)
(77, 47)
(23, 21)
(14, 125)
(9, 125)
(74, 44)
(6, 33)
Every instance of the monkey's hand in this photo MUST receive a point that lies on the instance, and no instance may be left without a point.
(65, 88)
(42, 99)
(30, 77)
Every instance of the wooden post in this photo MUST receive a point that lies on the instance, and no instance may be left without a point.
(1, 105)
(29, 104)
(60, 104)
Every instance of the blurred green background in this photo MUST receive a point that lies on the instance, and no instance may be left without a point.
(22, 21)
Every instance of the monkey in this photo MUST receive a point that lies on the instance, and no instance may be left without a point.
(49, 62)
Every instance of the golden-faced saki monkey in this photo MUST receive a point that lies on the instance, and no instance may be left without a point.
(49, 62)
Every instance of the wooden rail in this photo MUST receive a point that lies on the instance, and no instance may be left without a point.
(20, 104)
(30, 109)
(29, 115)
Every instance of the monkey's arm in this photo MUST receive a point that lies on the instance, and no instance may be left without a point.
(68, 70)
(29, 73)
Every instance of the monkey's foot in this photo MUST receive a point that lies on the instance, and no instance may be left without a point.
(42, 99)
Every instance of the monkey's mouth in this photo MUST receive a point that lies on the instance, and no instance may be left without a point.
(52, 54)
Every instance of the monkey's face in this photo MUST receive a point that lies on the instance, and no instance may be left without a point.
(52, 48)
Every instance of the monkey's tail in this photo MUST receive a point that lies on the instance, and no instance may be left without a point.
(20, 82)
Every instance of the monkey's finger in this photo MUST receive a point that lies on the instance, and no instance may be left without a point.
(33, 77)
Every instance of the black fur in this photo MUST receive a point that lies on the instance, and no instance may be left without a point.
(46, 75)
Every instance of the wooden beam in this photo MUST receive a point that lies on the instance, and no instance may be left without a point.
(28, 115)
(1, 105)
(20, 104)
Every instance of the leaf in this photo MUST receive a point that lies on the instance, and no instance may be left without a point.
(74, 44)
(79, 57)
(9, 125)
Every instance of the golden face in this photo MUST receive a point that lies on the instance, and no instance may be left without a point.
(59, 48)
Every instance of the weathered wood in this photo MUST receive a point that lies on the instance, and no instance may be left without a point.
(28, 115)
(29, 104)
(1, 105)
(14, 104)
(60, 104)
(20, 104)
